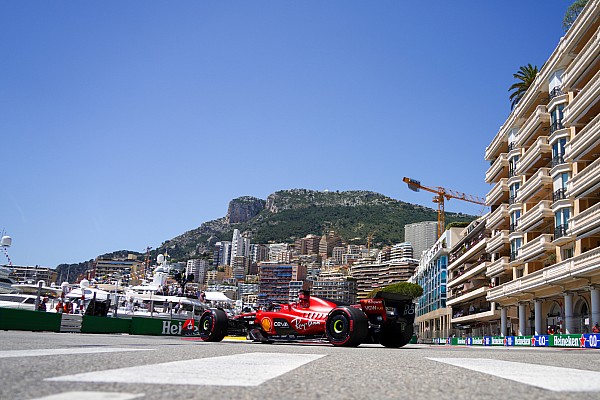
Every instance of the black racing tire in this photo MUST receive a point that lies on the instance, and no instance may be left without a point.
(346, 326)
(213, 325)
(392, 335)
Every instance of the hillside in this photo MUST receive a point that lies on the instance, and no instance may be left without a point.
(290, 214)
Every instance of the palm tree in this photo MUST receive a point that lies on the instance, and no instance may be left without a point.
(526, 75)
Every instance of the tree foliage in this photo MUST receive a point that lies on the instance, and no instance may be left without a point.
(572, 13)
(403, 288)
(525, 77)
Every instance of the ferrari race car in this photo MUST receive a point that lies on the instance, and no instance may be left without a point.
(386, 319)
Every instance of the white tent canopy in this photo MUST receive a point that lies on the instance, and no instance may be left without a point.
(216, 296)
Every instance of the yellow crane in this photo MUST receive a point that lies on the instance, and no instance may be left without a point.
(442, 194)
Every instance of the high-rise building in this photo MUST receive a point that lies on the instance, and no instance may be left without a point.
(198, 268)
(308, 245)
(421, 235)
(545, 198)
(328, 242)
(222, 253)
(240, 246)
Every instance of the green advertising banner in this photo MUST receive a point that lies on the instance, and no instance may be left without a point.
(26, 320)
(160, 327)
(92, 324)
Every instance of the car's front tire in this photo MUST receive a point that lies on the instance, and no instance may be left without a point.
(213, 325)
(346, 326)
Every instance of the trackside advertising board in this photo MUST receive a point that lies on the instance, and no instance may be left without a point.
(588, 341)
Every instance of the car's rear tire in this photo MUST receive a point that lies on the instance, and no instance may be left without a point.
(346, 326)
(392, 335)
(213, 325)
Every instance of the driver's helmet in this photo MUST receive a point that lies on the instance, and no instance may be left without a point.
(304, 298)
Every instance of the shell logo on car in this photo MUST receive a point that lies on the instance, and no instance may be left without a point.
(266, 324)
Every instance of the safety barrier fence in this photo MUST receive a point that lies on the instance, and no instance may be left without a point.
(25, 320)
(584, 340)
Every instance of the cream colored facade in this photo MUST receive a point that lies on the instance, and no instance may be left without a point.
(545, 197)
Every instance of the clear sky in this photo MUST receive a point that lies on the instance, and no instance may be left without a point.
(126, 123)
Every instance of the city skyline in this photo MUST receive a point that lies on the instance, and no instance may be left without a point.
(116, 115)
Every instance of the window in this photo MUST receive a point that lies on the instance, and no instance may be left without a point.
(515, 245)
(556, 116)
(562, 216)
(512, 165)
(567, 253)
(519, 272)
(514, 219)
(514, 191)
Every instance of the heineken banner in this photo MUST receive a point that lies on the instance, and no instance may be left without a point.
(589, 341)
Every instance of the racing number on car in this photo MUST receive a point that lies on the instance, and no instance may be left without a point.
(409, 309)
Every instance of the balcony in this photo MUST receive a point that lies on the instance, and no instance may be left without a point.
(473, 294)
(586, 264)
(557, 91)
(559, 194)
(498, 267)
(481, 316)
(498, 144)
(499, 165)
(534, 156)
(533, 126)
(579, 66)
(585, 141)
(498, 194)
(537, 247)
(497, 218)
(540, 213)
(586, 181)
(583, 102)
(497, 241)
(528, 284)
(467, 253)
(561, 235)
(536, 186)
(469, 272)
(557, 160)
(586, 223)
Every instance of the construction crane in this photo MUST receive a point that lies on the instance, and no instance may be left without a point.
(441, 195)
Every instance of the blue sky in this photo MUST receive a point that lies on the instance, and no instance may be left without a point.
(124, 124)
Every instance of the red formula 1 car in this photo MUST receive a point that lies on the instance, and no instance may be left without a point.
(387, 319)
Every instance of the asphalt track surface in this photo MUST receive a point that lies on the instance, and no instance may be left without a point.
(121, 367)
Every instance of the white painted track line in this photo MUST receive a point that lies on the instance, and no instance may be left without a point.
(548, 377)
(91, 396)
(65, 351)
(248, 369)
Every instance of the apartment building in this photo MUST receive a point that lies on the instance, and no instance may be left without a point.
(198, 268)
(371, 275)
(432, 315)
(308, 245)
(421, 235)
(33, 274)
(341, 290)
(545, 198)
(402, 250)
(274, 281)
(472, 313)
